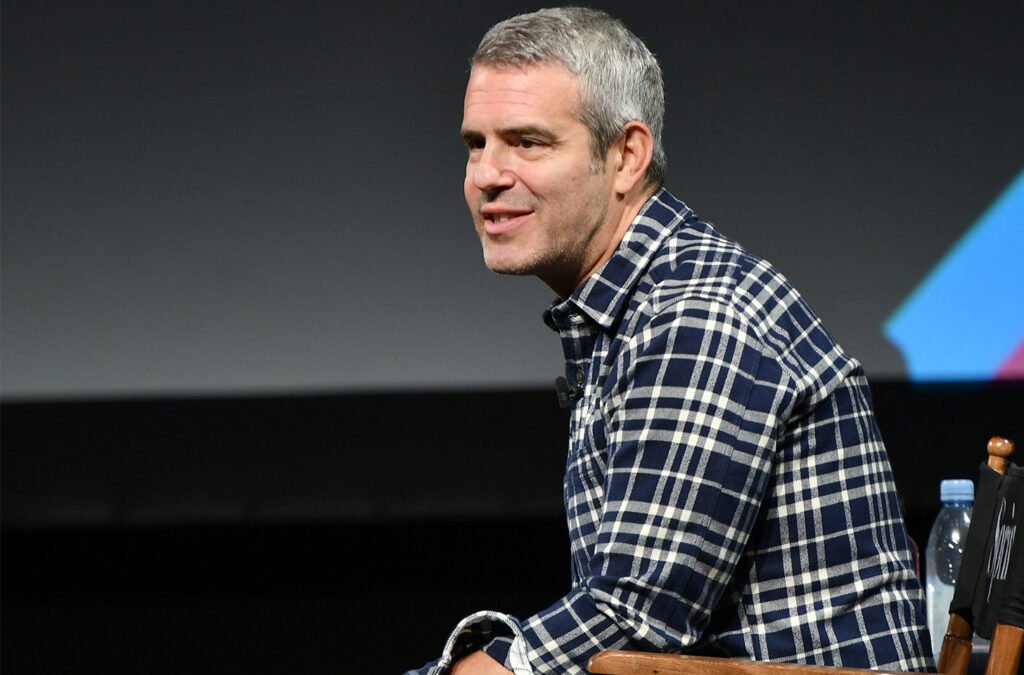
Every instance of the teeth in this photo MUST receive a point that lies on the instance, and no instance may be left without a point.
(501, 217)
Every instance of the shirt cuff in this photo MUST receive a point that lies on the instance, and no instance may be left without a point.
(498, 649)
(466, 638)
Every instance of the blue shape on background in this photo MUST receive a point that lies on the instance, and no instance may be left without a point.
(966, 319)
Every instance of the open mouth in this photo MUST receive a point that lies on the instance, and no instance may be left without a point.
(501, 223)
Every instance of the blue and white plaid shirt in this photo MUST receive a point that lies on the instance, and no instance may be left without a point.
(727, 489)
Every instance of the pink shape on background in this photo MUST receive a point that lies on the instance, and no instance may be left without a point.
(1013, 368)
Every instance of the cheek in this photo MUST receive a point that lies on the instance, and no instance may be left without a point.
(555, 183)
(468, 189)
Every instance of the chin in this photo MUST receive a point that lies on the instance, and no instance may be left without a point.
(505, 265)
(508, 269)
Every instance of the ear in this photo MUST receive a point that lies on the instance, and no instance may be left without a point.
(634, 149)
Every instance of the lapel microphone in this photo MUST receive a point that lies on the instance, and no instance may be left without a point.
(566, 394)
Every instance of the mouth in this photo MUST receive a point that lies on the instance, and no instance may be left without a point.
(502, 222)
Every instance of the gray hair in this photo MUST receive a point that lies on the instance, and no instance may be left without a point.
(619, 78)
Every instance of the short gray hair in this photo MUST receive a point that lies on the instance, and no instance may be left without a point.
(619, 78)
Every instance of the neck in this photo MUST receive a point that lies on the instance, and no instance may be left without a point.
(624, 211)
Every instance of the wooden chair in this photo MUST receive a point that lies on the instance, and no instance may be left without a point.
(1002, 618)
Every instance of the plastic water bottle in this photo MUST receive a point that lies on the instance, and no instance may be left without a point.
(943, 554)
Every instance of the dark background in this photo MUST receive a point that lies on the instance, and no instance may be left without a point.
(233, 197)
(264, 410)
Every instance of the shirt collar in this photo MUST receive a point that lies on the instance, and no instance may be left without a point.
(604, 295)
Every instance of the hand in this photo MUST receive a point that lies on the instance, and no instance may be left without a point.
(478, 663)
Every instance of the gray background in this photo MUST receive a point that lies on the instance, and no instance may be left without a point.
(225, 197)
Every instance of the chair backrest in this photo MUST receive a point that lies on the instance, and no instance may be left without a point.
(989, 596)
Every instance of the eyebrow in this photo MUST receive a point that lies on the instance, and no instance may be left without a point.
(469, 134)
(512, 132)
(539, 132)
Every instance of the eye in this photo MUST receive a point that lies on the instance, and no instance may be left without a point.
(531, 143)
(473, 142)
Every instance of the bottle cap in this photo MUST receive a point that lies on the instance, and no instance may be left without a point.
(957, 490)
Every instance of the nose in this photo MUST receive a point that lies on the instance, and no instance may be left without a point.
(491, 171)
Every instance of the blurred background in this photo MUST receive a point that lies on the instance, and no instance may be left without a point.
(262, 407)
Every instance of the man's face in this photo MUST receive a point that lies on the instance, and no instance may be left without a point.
(539, 199)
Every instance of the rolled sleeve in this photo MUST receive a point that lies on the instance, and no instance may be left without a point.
(690, 417)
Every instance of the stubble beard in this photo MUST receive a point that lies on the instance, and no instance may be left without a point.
(563, 254)
(556, 260)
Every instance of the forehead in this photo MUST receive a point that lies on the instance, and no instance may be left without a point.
(544, 91)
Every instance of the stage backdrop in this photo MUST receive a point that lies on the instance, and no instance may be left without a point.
(224, 198)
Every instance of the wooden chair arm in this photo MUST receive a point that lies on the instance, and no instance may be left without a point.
(955, 656)
(614, 662)
(1005, 655)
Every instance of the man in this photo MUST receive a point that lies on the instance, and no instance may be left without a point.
(727, 490)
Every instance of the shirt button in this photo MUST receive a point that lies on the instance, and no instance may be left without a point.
(579, 377)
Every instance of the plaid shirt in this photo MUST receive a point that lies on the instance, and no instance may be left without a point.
(726, 488)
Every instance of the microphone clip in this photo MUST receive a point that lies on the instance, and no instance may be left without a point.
(566, 394)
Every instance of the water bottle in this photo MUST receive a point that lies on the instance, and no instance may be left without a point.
(942, 556)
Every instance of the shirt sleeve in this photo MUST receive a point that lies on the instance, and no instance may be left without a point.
(691, 417)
